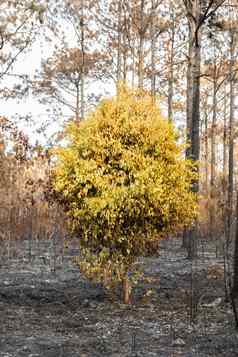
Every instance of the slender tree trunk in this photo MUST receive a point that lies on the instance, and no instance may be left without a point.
(133, 74)
(141, 47)
(82, 88)
(213, 156)
(206, 148)
(105, 277)
(231, 142)
(124, 54)
(189, 94)
(171, 67)
(224, 182)
(133, 49)
(152, 36)
(77, 112)
(195, 124)
(126, 290)
(225, 142)
(195, 144)
(119, 39)
(189, 97)
(235, 261)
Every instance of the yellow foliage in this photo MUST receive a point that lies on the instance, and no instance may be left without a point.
(124, 181)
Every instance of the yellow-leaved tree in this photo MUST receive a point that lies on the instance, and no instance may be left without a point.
(124, 183)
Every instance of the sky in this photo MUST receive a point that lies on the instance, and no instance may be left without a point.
(28, 64)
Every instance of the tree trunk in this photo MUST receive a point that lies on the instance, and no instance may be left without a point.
(225, 145)
(119, 36)
(83, 61)
(126, 290)
(235, 261)
(213, 156)
(171, 67)
(189, 94)
(141, 47)
(77, 111)
(206, 148)
(231, 141)
(152, 36)
(133, 72)
(124, 66)
(185, 241)
(195, 119)
(224, 168)
(133, 48)
(195, 145)
(105, 278)
(188, 116)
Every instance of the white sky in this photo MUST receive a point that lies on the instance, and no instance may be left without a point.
(28, 63)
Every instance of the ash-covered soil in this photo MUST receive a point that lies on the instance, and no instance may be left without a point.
(60, 314)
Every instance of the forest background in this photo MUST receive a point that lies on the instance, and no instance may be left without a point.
(183, 52)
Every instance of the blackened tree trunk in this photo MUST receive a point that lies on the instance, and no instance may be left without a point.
(195, 121)
(231, 139)
(235, 261)
(189, 96)
(225, 144)
(197, 12)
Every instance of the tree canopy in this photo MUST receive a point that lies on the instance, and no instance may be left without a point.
(123, 180)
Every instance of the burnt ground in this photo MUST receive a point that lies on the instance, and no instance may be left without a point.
(60, 314)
